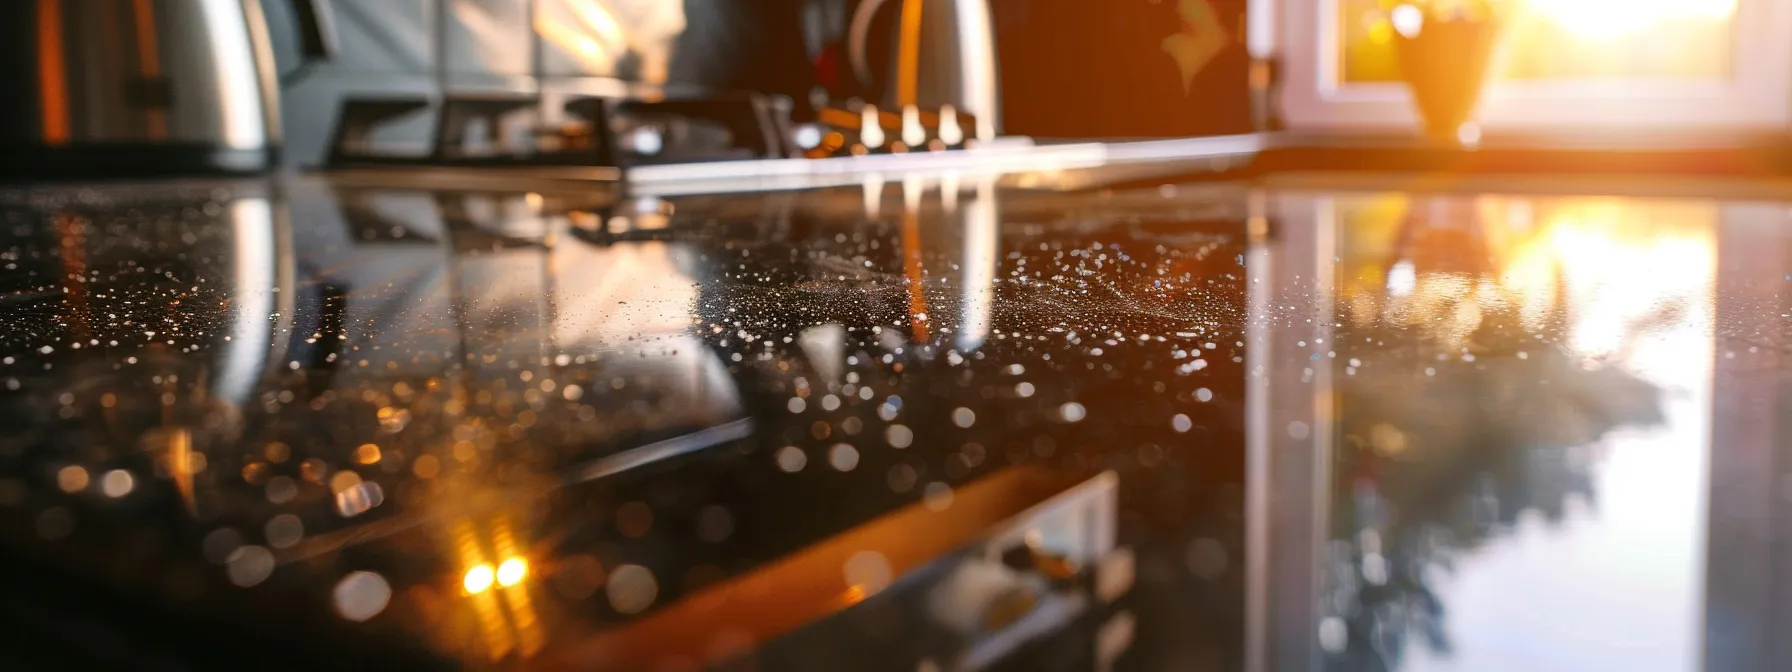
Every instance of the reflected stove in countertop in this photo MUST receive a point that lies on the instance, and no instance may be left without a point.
(939, 423)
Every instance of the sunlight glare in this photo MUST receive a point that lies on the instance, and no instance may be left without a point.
(1607, 19)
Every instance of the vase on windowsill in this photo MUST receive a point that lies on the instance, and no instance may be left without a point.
(1444, 60)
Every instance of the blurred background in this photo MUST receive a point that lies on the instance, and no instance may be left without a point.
(1083, 70)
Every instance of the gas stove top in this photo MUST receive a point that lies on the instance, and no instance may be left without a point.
(945, 422)
(724, 143)
(517, 131)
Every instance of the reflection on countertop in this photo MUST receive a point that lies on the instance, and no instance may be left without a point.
(1374, 428)
(1517, 442)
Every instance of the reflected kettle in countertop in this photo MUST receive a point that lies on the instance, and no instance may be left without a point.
(929, 53)
(103, 88)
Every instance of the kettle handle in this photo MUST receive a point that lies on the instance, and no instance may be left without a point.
(317, 29)
(857, 35)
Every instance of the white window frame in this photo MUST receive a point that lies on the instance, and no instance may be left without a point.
(1758, 98)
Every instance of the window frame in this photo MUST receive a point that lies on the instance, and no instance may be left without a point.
(1757, 98)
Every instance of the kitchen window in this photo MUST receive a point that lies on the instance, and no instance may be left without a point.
(1563, 65)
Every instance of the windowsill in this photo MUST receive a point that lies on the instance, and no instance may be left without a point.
(1659, 163)
(1703, 153)
(1543, 141)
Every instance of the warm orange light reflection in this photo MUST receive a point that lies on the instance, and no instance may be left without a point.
(181, 462)
(523, 618)
(853, 595)
(52, 74)
(911, 258)
(512, 571)
(478, 579)
(499, 640)
(1605, 265)
(908, 65)
(500, 601)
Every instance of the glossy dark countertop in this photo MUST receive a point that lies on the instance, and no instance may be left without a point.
(1366, 426)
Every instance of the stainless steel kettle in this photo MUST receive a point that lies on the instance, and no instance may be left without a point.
(943, 54)
(143, 87)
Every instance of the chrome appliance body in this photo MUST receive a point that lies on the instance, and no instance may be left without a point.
(943, 53)
(143, 87)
